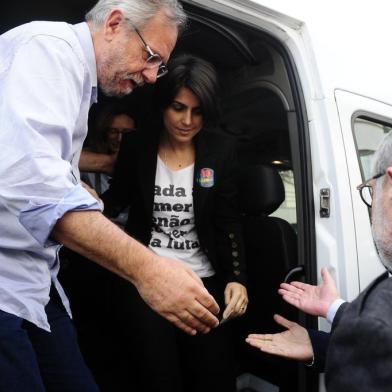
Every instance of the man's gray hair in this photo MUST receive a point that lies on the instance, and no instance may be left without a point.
(382, 158)
(381, 222)
(138, 12)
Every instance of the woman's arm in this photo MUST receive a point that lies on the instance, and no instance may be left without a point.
(229, 240)
(228, 228)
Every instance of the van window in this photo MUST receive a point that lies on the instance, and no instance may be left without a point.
(368, 134)
(287, 209)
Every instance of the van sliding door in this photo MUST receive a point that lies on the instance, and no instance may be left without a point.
(364, 122)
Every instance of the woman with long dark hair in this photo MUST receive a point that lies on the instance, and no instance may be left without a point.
(178, 180)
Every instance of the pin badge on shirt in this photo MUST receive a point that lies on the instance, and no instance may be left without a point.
(206, 177)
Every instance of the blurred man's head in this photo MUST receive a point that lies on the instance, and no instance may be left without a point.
(109, 124)
(121, 125)
(133, 40)
(382, 201)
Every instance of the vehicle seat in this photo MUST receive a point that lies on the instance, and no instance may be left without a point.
(270, 242)
(271, 251)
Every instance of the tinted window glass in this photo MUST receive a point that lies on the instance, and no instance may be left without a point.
(368, 134)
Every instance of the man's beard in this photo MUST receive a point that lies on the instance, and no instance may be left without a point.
(382, 228)
(109, 80)
(111, 87)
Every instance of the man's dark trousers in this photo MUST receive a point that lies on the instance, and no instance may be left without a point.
(33, 360)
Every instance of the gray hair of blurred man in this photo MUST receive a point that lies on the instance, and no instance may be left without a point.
(381, 221)
(138, 12)
(382, 158)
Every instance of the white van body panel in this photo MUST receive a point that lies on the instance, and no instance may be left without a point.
(340, 51)
(335, 46)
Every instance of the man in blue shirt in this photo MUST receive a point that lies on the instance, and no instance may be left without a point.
(49, 73)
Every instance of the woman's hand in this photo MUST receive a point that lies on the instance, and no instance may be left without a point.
(236, 300)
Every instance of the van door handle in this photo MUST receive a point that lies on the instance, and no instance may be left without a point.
(325, 197)
(296, 271)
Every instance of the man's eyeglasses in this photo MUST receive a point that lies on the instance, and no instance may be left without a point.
(154, 60)
(118, 131)
(366, 190)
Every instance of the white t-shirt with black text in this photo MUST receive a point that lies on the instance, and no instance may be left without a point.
(173, 221)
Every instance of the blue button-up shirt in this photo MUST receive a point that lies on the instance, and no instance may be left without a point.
(48, 81)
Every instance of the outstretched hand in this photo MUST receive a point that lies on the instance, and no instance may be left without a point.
(168, 286)
(314, 300)
(294, 343)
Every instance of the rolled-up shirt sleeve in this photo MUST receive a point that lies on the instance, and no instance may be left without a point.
(39, 220)
(41, 93)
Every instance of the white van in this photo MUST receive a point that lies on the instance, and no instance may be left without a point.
(307, 93)
(307, 87)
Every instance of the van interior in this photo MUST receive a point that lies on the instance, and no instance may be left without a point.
(262, 109)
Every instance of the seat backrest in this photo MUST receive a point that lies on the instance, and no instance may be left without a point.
(270, 244)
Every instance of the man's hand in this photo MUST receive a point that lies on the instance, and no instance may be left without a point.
(294, 343)
(169, 287)
(236, 300)
(178, 294)
(314, 300)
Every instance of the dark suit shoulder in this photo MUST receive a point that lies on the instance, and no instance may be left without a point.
(361, 344)
(373, 305)
(376, 302)
(358, 357)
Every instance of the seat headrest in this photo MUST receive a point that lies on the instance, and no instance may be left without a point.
(261, 189)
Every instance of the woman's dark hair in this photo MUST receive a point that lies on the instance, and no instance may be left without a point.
(195, 74)
(98, 141)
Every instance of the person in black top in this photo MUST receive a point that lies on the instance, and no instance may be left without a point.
(178, 179)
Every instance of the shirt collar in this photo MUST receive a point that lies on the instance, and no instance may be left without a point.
(84, 35)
